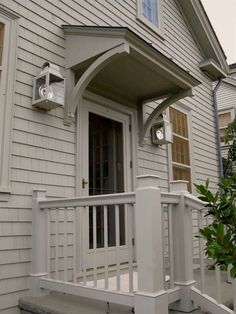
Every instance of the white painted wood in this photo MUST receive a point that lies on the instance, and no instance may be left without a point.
(131, 244)
(150, 260)
(218, 284)
(117, 226)
(183, 247)
(85, 241)
(173, 295)
(165, 242)
(106, 244)
(97, 200)
(75, 244)
(171, 245)
(234, 292)
(39, 258)
(201, 254)
(209, 303)
(57, 245)
(169, 198)
(7, 82)
(93, 293)
(95, 245)
(65, 253)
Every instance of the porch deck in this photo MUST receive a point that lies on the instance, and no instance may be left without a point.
(58, 303)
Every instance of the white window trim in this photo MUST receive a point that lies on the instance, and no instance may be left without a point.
(7, 89)
(159, 29)
(184, 109)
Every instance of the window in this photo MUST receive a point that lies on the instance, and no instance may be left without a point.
(8, 32)
(224, 120)
(180, 148)
(149, 10)
(150, 13)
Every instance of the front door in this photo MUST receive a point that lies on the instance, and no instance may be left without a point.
(106, 169)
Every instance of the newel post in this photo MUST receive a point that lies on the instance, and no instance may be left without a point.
(183, 247)
(39, 240)
(151, 297)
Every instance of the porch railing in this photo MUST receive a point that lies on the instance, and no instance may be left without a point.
(145, 261)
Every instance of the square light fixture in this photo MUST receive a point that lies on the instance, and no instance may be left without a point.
(49, 88)
(161, 131)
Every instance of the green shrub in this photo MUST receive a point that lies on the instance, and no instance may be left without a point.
(220, 234)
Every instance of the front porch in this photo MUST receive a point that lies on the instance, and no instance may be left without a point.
(151, 271)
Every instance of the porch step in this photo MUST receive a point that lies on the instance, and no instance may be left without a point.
(57, 303)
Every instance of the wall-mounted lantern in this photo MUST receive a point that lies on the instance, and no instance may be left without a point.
(161, 131)
(49, 88)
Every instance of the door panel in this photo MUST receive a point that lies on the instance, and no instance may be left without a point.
(105, 167)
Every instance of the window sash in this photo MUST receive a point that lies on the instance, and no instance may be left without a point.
(182, 173)
(180, 148)
(150, 10)
(224, 119)
(180, 151)
(179, 122)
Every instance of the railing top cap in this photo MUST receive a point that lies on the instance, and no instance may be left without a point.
(179, 186)
(148, 180)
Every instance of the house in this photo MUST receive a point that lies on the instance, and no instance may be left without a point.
(124, 64)
(226, 102)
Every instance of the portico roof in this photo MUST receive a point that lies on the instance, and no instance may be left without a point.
(117, 63)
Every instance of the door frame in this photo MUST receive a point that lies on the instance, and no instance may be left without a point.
(109, 109)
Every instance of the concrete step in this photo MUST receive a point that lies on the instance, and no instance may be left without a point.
(57, 303)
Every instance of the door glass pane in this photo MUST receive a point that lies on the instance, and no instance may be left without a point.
(106, 175)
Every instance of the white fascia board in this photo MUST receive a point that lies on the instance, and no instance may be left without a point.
(212, 69)
(203, 31)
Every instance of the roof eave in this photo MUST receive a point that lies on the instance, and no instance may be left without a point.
(203, 31)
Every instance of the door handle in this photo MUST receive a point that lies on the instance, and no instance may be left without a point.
(84, 183)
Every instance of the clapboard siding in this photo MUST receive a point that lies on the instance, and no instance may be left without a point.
(17, 255)
(44, 149)
(226, 96)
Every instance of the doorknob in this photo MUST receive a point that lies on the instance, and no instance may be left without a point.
(84, 183)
